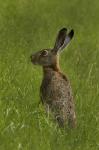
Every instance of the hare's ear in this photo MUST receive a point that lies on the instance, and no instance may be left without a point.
(63, 39)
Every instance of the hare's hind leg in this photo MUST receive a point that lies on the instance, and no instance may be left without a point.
(72, 119)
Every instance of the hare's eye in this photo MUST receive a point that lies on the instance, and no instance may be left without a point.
(44, 53)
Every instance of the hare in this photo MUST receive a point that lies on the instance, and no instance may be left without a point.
(55, 90)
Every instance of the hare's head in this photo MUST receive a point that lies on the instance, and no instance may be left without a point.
(49, 57)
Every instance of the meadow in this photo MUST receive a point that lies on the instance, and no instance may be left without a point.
(26, 27)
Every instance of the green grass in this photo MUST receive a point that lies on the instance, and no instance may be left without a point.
(28, 26)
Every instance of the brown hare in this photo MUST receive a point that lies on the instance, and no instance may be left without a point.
(55, 90)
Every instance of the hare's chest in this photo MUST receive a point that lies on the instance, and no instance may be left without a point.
(53, 89)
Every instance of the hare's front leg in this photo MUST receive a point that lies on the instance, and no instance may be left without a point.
(60, 120)
(58, 113)
(71, 119)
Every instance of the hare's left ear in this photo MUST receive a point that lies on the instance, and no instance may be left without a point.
(63, 39)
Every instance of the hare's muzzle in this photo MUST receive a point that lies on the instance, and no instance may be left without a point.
(32, 57)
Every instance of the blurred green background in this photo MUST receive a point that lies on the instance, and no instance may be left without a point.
(30, 25)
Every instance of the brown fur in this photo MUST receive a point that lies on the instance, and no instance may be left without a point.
(60, 101)
(55, 90)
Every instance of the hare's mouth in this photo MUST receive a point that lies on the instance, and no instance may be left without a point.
(34, 62)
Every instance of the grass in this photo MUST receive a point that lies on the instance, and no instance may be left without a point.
(28, 26)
